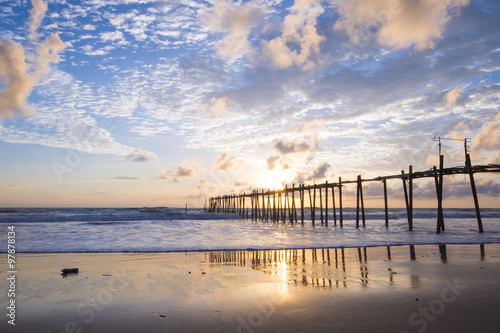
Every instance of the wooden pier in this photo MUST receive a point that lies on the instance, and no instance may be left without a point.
(280, 205)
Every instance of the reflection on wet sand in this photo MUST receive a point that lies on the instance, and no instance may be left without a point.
(338, 267)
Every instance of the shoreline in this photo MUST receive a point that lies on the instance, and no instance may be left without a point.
(380, 289)
(267, 249)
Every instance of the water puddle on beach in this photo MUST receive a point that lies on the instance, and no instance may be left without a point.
(399, 266)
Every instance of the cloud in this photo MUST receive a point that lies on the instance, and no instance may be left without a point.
(271, 162)
(140, 155)
(47, 54)
(224, 162)
(453, 95)
(396, 24)
(89, 27)
(37, 12)
(18, 76)
(289, 147)
(186, 169)
(318, 173)
(299, 42)
(16, 184)
(235, 22)
(168, 175)
(494, 159)
(135, 179)
(311, 128)
(111, 36)
(201, 183)
(17, 82)
(217, 106)
(489, 138)
(274, 161)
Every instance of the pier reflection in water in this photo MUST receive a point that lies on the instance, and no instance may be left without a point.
(347, 267)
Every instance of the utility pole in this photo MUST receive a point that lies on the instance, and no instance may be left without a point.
(466, 141)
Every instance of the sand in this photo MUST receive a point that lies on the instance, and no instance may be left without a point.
(427, 288)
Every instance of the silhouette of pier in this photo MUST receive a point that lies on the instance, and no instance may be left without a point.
(290, 204)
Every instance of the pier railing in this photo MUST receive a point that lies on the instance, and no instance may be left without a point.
(280, 205)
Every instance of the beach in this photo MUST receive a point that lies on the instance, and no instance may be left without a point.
(431, 288)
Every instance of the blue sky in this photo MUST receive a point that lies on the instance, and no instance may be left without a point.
(162, 103)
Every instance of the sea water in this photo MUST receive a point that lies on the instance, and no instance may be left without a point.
(163, 229)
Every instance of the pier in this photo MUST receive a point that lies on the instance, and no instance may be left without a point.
(289, 204)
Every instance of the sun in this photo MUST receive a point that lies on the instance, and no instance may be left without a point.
(272, 179)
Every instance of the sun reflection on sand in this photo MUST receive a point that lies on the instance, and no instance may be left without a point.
(282, 271)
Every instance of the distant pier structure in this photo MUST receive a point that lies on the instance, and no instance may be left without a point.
(289, 204)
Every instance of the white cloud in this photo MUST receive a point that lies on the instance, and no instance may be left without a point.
(299, 29)
(36, 17)
(19, 76)
(140, 155)
(111, 36)
(218, 106)
(489, 138)
(225, 161)
(396, 24)
(454, 94)
(89, 27)
(236, 22)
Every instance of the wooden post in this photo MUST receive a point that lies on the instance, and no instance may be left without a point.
(294, 207)
(311, 203)
(326, 204)
(243, 209)
(263, 214)
(274, 205)
(321, 204)
(341, 216)
(279, 208)
(385, 203)
(268, 206)
(253, 204)
(333, 207)
(468, 165)
(302, 202)
(441, 182)
(314, 203)
(436, 182)
(357, 201)
(406, 199)
(410, 190)
(283, 207)
(362, 201)
(290, 209)
(256, 203)
(439, 191)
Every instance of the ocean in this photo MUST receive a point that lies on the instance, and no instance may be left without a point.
(162, 229)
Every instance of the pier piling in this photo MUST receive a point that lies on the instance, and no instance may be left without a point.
(284, 202)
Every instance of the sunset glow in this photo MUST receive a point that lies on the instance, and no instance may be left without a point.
(163, 103)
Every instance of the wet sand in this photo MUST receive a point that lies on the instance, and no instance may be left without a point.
(430, 288)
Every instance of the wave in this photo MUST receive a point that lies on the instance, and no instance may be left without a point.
(101, 215)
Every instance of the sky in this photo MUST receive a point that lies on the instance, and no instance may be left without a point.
(131, 103)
